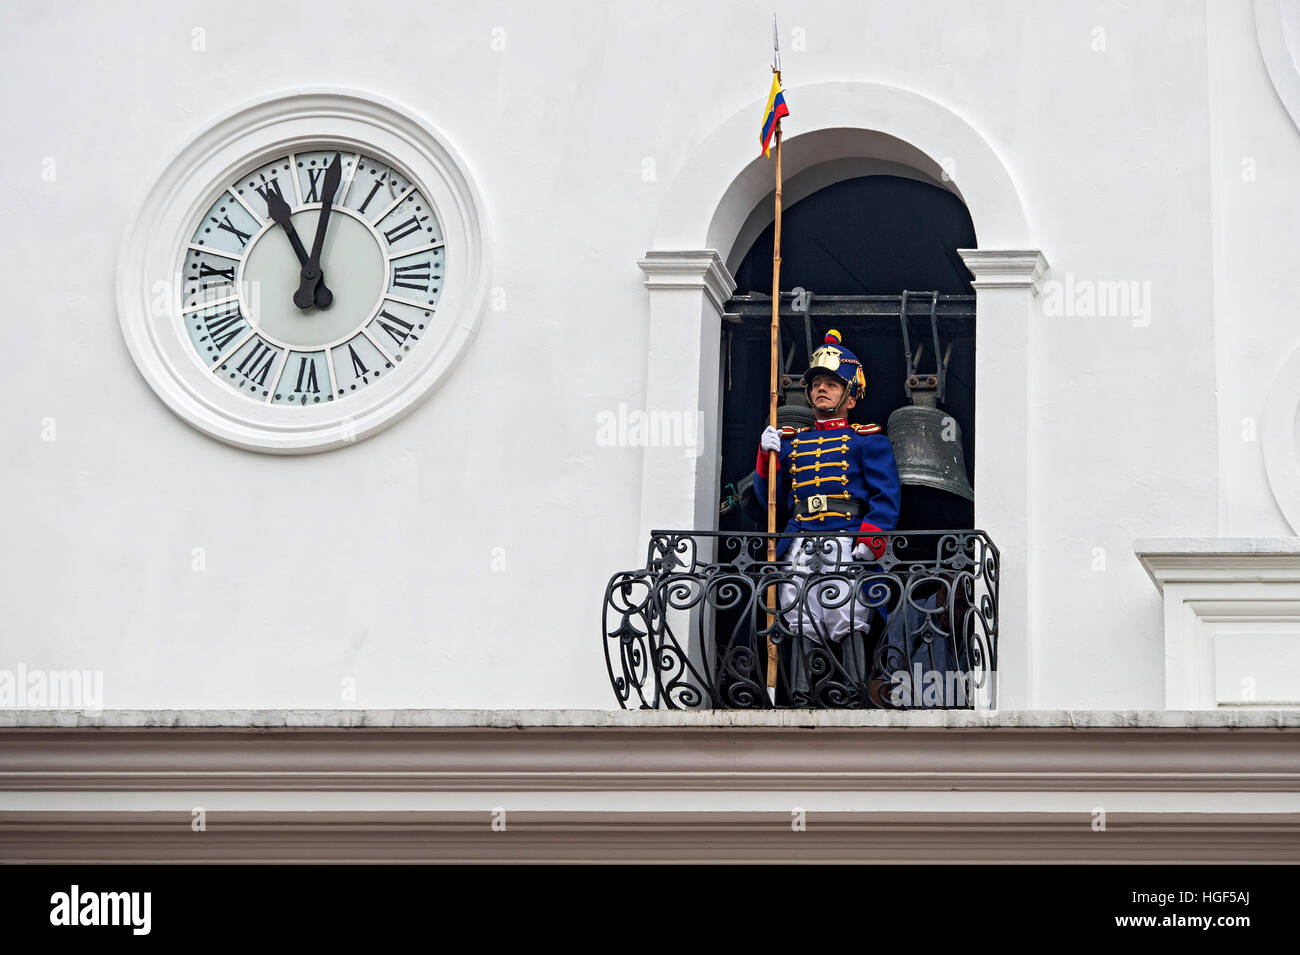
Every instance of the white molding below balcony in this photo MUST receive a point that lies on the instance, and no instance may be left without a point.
(357, 718)
(1231, 619)
(591, 791)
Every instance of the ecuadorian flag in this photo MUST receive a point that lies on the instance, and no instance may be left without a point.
(776, 108)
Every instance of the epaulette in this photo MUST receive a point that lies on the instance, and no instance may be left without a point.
(789, 431)
(866, 428)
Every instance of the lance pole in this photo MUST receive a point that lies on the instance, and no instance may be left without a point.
(771, 412)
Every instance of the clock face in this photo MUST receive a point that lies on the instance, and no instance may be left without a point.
(288, 310)
(305, 272)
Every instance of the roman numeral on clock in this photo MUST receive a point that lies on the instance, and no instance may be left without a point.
(358, 368)
(225, 224)
(308, 367)
(393, 333)
(270, 186)
(401, 231)
(315, 177)
(412, 276)
(373, 190)
(207, 272)
(263, 355)
(224, 326)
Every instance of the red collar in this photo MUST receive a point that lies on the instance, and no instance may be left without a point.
(831, 423)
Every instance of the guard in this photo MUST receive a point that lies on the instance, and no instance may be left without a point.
(838, 478)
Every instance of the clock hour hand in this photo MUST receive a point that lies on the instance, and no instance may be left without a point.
(282, 216)
(311, 271)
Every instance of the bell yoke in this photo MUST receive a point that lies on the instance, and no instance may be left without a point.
(841, 476)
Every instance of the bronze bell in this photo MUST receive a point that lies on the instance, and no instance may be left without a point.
(927, 447)
(927, 441)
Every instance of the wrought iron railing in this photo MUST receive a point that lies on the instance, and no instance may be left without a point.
(911, 626)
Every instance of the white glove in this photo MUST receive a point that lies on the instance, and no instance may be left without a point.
(863, 552)
(771, 440)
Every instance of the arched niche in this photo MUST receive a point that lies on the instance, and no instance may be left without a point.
(852, 247)
(718, 195)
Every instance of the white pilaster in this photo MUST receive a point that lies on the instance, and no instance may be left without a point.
(688, 289)
(1006, 281)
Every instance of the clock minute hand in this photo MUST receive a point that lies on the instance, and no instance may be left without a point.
(282, 216)
(311, 270)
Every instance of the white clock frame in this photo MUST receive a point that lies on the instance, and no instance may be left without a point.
(149, 280)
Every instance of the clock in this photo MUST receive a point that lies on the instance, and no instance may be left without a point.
(256, 302)
(305, 272)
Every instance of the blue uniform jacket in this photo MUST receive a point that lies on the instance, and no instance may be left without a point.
(835, 459)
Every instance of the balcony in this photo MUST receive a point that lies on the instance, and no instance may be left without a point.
(915, 629)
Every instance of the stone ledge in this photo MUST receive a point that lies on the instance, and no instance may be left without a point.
(1236, 718)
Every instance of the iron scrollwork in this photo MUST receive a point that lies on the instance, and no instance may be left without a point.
(913, 627)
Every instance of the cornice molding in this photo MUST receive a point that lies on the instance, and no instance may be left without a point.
(650, 793)
(887, 838)
(780, 719)
(1005, 268)
(588, 759)
(688, 269)
(1219, 560)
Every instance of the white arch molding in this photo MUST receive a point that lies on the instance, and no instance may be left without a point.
(1281, 450)
(1277, 31)
(705, 213)
(283, 122)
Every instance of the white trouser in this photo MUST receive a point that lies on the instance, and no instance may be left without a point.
(827, 614)
(827, 611)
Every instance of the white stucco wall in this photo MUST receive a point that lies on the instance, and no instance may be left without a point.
(377, 562)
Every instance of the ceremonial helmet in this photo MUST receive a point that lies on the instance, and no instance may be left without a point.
(834, 359)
